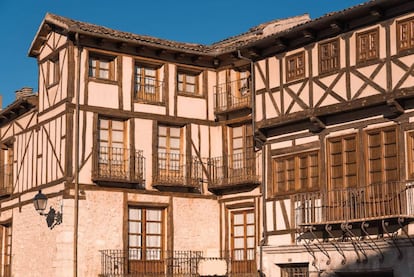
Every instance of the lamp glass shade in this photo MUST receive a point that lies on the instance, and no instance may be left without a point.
(40, 202)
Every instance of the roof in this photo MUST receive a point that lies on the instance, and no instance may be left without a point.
(262, 36)
(255, 33)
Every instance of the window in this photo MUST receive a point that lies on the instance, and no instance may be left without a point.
(405, 34)
(296, 173)
(187, 82)
(53, 73)
(410, 150)
(295, 66)
(102, 67)
(382, 155)
(329, 56)
(368, 45)
(342, 163)
(294, 270)
(145, 233)
(170, 160)
(243, 242)
(242, 148)
(6, 249)
(147, 84)
(112, 153)
(6, 170)
(243, 235)
(243, 84)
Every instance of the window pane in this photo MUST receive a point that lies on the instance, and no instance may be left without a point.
(135, 240)
(238, 219)
(135, 227)
(238, 231)
(134, 214)
(154, 215)
(153, 228)
(153, 241)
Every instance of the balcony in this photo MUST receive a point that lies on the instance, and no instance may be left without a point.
(366, 210)
(234, 173)
(232, 98)
(150, 91)
(132, 263)
(6, 186)
(176, 172)
(118, 167)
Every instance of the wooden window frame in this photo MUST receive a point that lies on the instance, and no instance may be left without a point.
(244, 236)
(344, 162)
(298, 70)
(410, 154)
(372, 48)
(143, 231)
(409, 36)
(53, 70)
(142, 94)
(169, 163)
(6, 234)
(329, 56)
(296, 173)
(383, 157)
(185, 73)
(99, 60)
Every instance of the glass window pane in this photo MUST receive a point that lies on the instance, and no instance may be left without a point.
(175, 132)
(250, 218)
(250, 230)
(238, 243)
(239, 231)
(153, 228)
(162, 131)
(134, 214)
(135, 227)
(154, 215)
(162, 142)
(238, 219)
(153, 241)
(134, 240)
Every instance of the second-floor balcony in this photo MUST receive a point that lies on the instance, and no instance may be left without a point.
(118, 166)
(232, 97)
(6, 185)
(176, 171)
(392, 202)
(237, 172)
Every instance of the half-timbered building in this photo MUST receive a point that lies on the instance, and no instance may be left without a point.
(334, 107)
(287, 150)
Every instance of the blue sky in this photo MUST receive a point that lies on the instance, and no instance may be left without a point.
(180, 20)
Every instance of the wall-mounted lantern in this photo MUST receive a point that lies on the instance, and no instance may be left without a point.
(53, 217)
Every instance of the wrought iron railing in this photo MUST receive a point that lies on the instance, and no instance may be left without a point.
(150, 90)
(236, 169)
(156, 263)
(118, 164)
(176, 170)
(232, 96)
(392, 199)
(6, 185)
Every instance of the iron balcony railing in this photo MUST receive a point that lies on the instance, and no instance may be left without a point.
(157, 263)
(6, 185)
(236, 169)
(176, 170)
(377, 201)
(150, 90)
(118, 164)
(231, 96)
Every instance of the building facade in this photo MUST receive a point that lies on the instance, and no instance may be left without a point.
(286, 150)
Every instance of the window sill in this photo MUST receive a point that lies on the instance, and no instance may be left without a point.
(148, 102)
(104, 81)
(186, 94)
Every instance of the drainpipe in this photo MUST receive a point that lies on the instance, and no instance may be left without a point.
(263, 148)
(77, 123)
